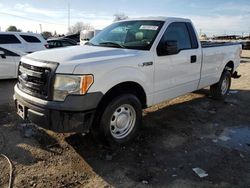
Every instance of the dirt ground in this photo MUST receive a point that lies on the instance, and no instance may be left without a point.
(177, 136)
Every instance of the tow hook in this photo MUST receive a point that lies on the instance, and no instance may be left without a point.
(236, 75)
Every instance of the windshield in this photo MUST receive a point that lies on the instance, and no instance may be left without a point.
(138, 35)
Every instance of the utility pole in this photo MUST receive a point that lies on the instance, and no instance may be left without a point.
(68, 15)
(41, 30)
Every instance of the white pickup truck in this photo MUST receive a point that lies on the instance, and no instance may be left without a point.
(103, 86)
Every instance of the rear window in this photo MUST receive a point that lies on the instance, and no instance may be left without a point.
(8, 39)
(31, 39)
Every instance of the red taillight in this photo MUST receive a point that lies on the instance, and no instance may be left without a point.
(46, 46)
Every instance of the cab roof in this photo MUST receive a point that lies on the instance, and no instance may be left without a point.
(160, 18)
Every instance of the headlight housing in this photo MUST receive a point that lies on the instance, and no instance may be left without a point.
(71, 84)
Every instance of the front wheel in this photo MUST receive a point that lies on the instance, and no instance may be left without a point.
(221, 89)
(121, 119)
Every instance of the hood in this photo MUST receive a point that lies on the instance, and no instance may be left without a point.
(69, 57)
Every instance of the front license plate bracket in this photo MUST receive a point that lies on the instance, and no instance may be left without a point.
(21, 110)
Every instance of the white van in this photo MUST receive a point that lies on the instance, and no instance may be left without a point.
(86, 35)
(25, 42)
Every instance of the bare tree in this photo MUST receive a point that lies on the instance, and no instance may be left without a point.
(13, 28)
(78, 27)
(46, 34)
(120, 16)
(55, 34)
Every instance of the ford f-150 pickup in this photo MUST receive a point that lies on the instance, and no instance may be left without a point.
(103, 86)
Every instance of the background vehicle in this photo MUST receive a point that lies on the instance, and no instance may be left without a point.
(9, 61)
(246, 45)
(131, 65)
(86, 35)
(61, 42)
(24, 42)
(75, 37)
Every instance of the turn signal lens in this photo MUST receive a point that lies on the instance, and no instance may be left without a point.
(87, 81)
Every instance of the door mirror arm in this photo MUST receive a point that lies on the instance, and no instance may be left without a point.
(2, 54)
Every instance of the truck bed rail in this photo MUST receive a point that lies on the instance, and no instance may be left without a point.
(209, 44)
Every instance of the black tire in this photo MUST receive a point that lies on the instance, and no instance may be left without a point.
(105, 119)
(217, 90)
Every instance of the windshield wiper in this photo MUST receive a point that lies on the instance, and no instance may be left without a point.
(112, 43)
(89, 43)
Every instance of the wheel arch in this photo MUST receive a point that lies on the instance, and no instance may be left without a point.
(122, 88)
(230, 67)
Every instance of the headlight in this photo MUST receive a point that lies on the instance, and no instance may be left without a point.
(71, 84)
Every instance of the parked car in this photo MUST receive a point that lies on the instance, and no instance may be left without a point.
(103, 86)
(246, 45)
(9, 61)
(60, 42)
(24, 42)
(75, 37)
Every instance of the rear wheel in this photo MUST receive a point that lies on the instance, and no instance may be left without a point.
(121, 119)
(221, 89)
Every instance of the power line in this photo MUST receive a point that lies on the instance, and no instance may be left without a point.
(32, 19)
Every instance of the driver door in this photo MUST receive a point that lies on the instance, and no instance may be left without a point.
(178, 73)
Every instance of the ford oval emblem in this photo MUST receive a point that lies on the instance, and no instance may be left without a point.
(24, 76)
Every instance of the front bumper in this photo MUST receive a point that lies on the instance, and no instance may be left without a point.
(75, 114)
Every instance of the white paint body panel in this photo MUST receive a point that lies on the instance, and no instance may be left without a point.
(168, 77)
(9, 65)
(214, 61)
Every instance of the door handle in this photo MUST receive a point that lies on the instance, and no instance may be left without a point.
(145, 64)
(193, 59)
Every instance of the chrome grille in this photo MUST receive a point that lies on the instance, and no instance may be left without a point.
(35, 80)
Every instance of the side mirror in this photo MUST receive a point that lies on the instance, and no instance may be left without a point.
(2, 54)
(169, 47)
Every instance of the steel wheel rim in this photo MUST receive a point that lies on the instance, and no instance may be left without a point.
(122, 121)
(224, 86)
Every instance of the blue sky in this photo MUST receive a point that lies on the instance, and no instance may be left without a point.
(212, 17)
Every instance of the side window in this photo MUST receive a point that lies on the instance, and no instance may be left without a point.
(177, 32)
(31, 39)
(57, 44)
(8, 39)
(194, 41)
(65, 43)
